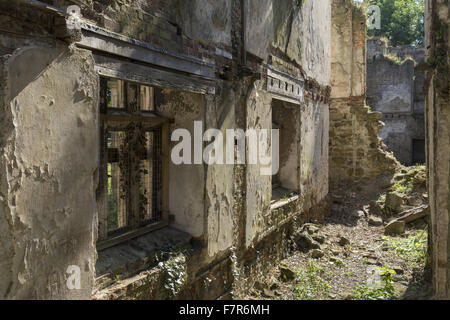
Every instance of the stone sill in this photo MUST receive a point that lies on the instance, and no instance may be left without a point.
(281, 203)
(136, 255)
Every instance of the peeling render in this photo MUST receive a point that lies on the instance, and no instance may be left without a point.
(49, 203)
(208, 61)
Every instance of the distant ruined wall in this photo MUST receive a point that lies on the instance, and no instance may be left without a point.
(437, 115)
(395, 79)
(356, 151)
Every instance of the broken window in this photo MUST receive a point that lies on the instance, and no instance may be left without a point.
(418, 156)
(131, 190)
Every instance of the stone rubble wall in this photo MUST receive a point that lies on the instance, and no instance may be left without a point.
(356, 151)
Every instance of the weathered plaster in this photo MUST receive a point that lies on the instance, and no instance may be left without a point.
(186, 181)
(48, 186)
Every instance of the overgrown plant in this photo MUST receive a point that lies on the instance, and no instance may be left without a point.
(310, 285)
(411, 181)
(175, 274)
(413, 248)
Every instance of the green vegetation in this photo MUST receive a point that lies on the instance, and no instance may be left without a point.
(287, 196)
(402, 21)
(339, 262)
(409, 181)
(396, 59)
(413, 248)
(175, 273)
(310, 285)
(384, 292)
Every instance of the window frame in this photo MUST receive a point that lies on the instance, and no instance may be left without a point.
(120, 119)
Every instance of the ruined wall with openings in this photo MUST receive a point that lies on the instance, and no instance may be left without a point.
(437, 115)
(223, 225)
(299, 50)
(356, 151)
(395, 79)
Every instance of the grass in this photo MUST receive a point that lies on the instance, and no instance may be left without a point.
(412, 248)
(310, 285)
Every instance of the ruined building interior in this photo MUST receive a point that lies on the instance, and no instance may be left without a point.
(395, 83)
(92, 101)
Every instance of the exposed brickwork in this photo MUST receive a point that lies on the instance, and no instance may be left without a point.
(356, 151)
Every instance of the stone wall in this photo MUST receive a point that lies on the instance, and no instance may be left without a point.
(221, 218)
(356, 151)
(395, 78)
(437, 115)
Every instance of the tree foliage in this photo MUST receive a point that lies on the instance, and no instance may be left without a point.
(402, 21)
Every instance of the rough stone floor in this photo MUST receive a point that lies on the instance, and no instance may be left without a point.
(351, 256)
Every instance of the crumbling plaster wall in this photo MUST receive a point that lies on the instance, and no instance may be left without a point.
(311, 165)
(186, 181)
(437, 115)
(356, 151)
(209, 21)
(189, 27)
(200, 195)
(206, 210)
(314, 153)
(259, 187)
(47, 205)
(298, 29)
(302, 34)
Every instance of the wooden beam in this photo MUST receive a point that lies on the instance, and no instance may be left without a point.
(114, 68)
(122, 122)
(96, 38)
